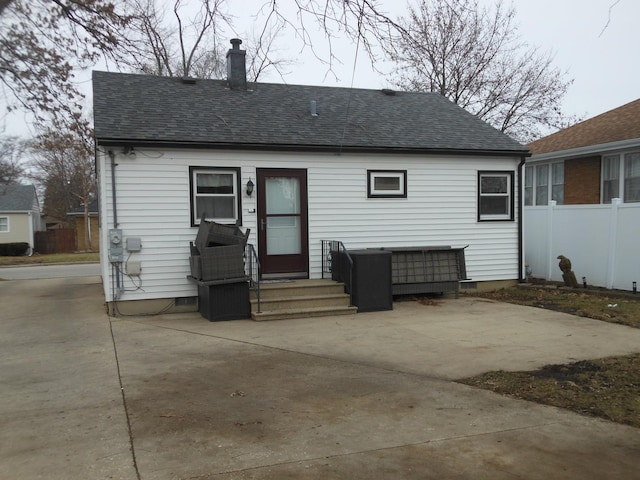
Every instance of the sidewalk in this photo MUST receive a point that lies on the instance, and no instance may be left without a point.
(362, 396)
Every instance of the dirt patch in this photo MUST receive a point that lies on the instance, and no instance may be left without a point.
(605, 305)
(608, 388)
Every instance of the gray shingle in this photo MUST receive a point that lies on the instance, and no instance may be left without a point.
(17, 198)
(151, 109)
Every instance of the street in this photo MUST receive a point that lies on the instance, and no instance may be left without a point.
(34, 272)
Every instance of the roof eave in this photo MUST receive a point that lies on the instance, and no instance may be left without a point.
(586, 150)
(335, 149)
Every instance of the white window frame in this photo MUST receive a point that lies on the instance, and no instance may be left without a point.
(627, 177)
(509, 214)
(615, 180)
(236, 193)
(529, 172)
(6, 223)
(400, 175)
(537, 185)
(534, 186)
(555, 185)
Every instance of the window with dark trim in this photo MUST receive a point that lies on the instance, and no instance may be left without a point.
(387, 183)
(495, 196)
(215, 193)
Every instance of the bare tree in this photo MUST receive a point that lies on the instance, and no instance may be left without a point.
(365, 22)
(175, 43)
(474, 56)
(182, 42)
(11, 154)
(63, 164)
(42, 41)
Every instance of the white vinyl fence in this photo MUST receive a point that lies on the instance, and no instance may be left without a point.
(602, 242)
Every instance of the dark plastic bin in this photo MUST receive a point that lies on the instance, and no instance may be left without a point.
(226, 301)
(371, 280)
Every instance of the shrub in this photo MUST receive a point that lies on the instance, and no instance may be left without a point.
(15, 249)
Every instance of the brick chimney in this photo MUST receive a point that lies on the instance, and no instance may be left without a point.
(236, 66)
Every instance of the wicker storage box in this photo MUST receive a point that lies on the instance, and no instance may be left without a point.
(228, 301)
(218, 263)
(211, 234)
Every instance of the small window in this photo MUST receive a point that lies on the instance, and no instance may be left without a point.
(4, 224)
(215, 194)
(387, 183)
(632, 177)
(495, 196)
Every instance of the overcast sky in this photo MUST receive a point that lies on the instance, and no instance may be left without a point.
(595, 41)
(604, 62)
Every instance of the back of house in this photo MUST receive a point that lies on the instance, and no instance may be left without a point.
(293, 165)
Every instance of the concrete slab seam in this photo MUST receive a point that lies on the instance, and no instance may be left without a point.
(124, 403)
(388, 448)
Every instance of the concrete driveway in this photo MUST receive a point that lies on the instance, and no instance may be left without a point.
(362, 396)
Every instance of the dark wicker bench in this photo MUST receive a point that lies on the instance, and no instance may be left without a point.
(427, 270)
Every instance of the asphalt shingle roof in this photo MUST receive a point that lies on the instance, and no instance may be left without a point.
(93, 208)
(17, 198)
(151, 110)
(622, 123)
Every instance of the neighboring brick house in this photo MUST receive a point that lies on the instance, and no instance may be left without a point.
(592, 172)
(588, 163)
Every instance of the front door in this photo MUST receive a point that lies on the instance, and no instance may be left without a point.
(283, 243)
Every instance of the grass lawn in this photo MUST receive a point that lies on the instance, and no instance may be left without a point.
(54, 258)
(608, 388)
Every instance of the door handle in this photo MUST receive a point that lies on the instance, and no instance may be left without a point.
(263, 223)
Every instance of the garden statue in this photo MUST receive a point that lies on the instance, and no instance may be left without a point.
(567, 274)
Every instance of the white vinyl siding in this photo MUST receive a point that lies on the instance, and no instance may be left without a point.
(17, 228)
(153, 201)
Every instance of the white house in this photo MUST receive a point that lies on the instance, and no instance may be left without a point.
(20, 216)
(370, 168)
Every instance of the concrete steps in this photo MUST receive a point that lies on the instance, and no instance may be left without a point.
(300, 299)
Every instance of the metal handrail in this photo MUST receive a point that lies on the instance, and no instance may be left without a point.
(332, 250)
(252, 269)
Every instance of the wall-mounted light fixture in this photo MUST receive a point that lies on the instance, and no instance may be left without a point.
(129, 152)
(249, 188)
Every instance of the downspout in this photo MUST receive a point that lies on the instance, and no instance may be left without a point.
(521, 275)
(112, 156)
(115, 268)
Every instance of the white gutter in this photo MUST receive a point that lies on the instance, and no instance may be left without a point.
(583, 151)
